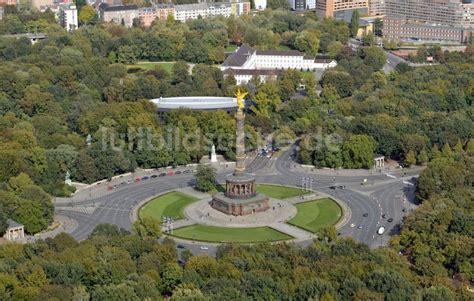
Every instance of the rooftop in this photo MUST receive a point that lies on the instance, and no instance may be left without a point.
(264, 72)
(195, 102)
(239, 57)
(107, 7)
(13, 224)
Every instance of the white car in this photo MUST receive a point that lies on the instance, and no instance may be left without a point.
(352, 225)
(381, 230)
(204, 248)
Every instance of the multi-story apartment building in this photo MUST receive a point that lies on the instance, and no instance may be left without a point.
(68, 17)
(238, 8)
(192, 11)
(119, 14)
(158, 11)
(444, 12)
(398, 29)
(340, 9)
(377, 7)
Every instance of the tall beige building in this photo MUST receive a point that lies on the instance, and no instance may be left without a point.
(377, 7)
(444, 12)
(340, 9)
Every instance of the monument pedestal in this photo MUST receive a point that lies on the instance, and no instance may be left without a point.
(240, 197)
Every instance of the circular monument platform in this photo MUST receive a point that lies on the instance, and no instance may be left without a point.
(202, 213)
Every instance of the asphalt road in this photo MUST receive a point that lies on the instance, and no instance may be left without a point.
(380, 195)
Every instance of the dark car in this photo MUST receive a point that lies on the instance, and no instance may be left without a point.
(122, 184)
(365, 214)
(162, 175)
(384, 215)
(390, 220)
(145, 178)
(404, 210)
(178, 172)
(187, 171)
(154, 176)
(180, 247)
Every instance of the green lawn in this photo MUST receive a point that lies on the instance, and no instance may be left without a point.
(238, 235)
(168, 66)
(280, 192)
(314, 215)
(171, 204)
(231, 48)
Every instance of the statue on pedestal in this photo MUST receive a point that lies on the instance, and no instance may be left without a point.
(67, 178)
(213, 154)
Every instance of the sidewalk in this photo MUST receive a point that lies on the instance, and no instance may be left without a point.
(349, 172)
(64, 224)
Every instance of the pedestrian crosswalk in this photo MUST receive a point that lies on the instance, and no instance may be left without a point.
(81, 209)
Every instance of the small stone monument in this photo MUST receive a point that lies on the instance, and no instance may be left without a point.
(213, 154)
(67, 178)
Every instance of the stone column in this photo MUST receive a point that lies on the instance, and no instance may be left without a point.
(240, 144)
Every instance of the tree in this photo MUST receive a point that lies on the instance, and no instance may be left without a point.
(3, 221)
(205, 178)
(147, 227)
(87, 14)
(358, 152)
(308, 42)
(410, 158)
(340, 80)
(354, 25)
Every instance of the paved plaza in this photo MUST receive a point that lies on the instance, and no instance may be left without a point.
(201, 212)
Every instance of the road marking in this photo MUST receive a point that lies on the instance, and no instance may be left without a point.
(390, 176)
(408, 183)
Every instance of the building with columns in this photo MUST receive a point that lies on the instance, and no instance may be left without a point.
(15, 231)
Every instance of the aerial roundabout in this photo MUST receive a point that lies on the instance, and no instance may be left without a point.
(242, 211)
(293, 214)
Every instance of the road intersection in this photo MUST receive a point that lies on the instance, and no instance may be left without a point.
(379, 194)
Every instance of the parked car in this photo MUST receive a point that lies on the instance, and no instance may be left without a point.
(187, 171)
(365, 214)
(145, 178)
(137, 179)
(122, 184)
(390, 220)
(110, 187)
(384, 215)
(180, 247)
(178, 172)
(162, 175)
(204, 248)
(170, 173)
(360, 227)
(129, 181)
(352, 225)
(154, 176)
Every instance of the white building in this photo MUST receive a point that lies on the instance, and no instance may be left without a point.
(260, 4)
(243, 76)
(15, 231)
(190, 11)
(248, 58)
(68, 17)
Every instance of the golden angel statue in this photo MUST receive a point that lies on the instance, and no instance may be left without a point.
(240, 98)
